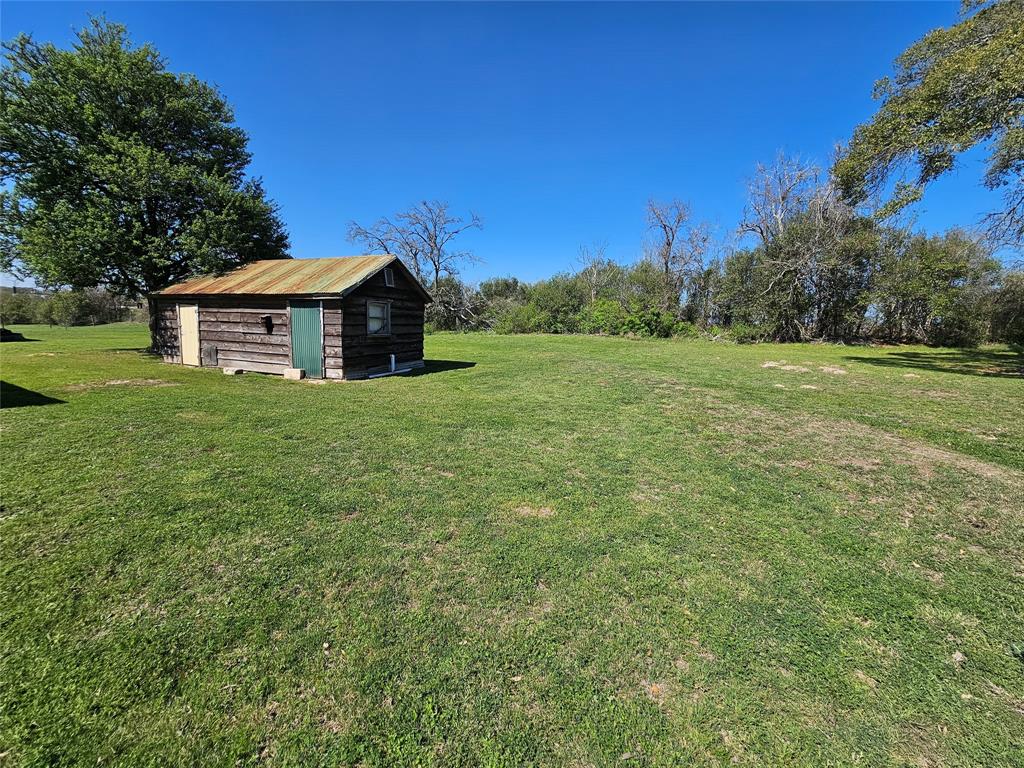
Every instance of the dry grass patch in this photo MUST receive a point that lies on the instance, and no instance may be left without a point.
(528, 511)
(782, 365)
(121, 383)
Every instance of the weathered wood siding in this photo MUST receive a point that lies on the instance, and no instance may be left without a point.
(232, 325)
(333, 338)
(363, 354)
(166, 336)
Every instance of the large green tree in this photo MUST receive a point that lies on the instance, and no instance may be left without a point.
(117, 172)
(954, 89)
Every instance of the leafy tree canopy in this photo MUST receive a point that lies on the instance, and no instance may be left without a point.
(952, 90)
(118, 172)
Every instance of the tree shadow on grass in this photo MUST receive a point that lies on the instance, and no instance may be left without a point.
(6, 334)
(1002, 363)
(439, 366)
(13, 396)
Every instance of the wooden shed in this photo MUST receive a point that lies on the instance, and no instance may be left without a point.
(338, 318)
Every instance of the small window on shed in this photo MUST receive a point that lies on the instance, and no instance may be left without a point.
(378, 318)
(389, 277)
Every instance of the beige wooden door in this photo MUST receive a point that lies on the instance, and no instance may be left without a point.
(188, 333)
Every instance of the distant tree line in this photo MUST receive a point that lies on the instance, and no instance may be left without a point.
(812, 269)
(91, 306)
(939, 290)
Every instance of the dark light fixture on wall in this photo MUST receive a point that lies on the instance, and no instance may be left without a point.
(268, 322)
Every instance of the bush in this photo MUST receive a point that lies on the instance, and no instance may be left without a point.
(745, 333)
(69, 308)
(89, 307)
(685, 330)
(955, 329)
(961, 320)
(1008, 310)
(602, 316)
(558, 301)
(19, 307)
(138, 315)
(523, 318)
(650, 322)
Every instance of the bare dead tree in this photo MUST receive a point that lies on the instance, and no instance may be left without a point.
(593, 267)
(1006, 228)
(387, 236)
(776, 195)
(666, 220)
(457, 306)
(679, 247)
(423, 236)
(799, 219)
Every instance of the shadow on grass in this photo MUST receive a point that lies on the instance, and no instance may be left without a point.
(439, 366)
(13, 396)
(1004, 363)
(8, 335)
(140, 351)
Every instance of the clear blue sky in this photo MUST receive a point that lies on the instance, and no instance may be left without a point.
(554, 122)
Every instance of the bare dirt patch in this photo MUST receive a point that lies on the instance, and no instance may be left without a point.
(834, 370)
(782, 365)
(528, 511)
(865, 679)
(657, 692)
(923, 457)
(860, 462)
(121, 383)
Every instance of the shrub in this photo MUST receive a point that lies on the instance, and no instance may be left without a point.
(18, 307)
(745, 333)
(523, 318)
(69, 308)
(961, 320)
(955, 329)
(602, 316)
(685, 330)
(1008, 310)
(650, 321)
(138, 315)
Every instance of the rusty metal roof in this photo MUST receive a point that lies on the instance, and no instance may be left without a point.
(287, 277)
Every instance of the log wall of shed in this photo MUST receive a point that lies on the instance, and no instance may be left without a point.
(365, 354)
(166, 326)
(233, 325)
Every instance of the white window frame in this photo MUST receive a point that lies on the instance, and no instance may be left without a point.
(387, 318)
(389, 277)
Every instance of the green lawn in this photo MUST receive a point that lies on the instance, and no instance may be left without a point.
(543, 550)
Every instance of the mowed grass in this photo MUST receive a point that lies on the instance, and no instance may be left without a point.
(542, 551)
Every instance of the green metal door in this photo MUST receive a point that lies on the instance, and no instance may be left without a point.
(307, 338)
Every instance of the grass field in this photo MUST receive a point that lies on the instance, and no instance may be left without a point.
(541, 551)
